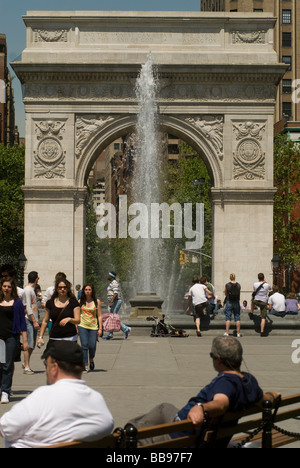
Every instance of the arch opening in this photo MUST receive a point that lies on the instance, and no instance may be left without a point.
(181, 264)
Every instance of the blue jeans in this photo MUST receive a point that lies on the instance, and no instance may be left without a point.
(88, 340)
(232, 308)
(115, 310)
(6, 373)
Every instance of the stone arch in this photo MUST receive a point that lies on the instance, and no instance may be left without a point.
(119, 125)
(218, 75)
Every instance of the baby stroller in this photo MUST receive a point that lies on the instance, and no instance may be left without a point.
(163, 329)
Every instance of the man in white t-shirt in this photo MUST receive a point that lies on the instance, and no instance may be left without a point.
(63, 411)
(277, 303)
(198, 297)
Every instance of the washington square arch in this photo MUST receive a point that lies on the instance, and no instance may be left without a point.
(218, 77)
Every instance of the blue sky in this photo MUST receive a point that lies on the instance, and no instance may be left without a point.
(11, 24)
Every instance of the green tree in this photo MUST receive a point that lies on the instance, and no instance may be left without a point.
(287, 200)
(12, 164)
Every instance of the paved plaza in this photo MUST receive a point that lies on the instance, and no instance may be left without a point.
(135, 374)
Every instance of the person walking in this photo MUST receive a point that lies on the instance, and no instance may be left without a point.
(232, 305)
(62, 411)
(260, 299)
(198, 296)
(114, 303)
(90, 327)
(12, 324)
(64, 311)
(32, 318)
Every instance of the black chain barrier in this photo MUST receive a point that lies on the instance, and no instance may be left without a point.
(260, 428)
(264, 424)
(295, 435)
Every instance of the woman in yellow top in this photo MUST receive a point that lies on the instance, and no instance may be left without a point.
(90, 327)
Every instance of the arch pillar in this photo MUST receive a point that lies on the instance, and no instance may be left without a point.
(55, 232)
(243, 227)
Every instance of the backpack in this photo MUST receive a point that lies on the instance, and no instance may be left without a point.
(234, 290)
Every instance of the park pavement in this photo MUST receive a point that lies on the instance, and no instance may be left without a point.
(135, 374)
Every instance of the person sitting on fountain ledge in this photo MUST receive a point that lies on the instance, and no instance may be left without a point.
(232, 390)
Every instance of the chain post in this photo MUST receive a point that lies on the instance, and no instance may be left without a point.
(268, 424)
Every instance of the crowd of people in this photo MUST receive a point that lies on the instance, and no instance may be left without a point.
(80, 413)
(202, 297)
(65, 318)
(67, 409)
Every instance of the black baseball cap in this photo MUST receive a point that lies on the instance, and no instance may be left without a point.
(66, 351)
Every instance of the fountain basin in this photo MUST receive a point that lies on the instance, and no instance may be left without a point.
(145, 304)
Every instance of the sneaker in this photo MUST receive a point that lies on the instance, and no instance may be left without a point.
(106, 337)
(225, 334)
(92, 365)
(4, 398)
(127, 333)
(28, 371)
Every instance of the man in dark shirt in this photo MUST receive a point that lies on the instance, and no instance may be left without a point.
(231, 390)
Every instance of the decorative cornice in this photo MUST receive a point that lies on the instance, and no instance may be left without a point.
(244, 196)
(238, 74)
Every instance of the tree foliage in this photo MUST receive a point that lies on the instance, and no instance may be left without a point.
(12, 164)
(287, 199)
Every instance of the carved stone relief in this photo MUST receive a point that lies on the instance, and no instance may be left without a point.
(49, 156)
(249, 37)
(86, 126)
(249, 157)
(211, 128)
(47, 35)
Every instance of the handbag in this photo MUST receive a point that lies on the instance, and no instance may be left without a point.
(111, 322)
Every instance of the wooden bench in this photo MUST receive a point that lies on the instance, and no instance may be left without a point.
(224, 428)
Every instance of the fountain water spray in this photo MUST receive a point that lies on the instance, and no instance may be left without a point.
(146, 188)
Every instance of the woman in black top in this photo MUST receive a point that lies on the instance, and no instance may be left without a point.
(12, 324)
(64, 311)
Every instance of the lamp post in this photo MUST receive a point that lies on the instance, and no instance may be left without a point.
(22, 263)
(275, 266)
